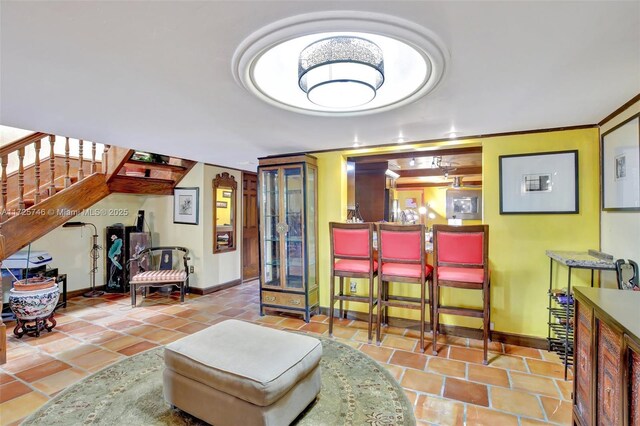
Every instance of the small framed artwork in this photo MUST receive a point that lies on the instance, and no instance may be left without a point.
(186, 205)
(222, 204)
(226, 194)
(620, 168)
(539, 183)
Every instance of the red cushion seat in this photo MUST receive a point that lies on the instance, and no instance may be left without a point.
(411, 270)
(468, 275)
(353, 265)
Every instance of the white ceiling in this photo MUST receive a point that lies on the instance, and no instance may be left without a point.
(156, 75)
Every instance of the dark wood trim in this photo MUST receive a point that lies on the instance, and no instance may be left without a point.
(214, 288)
(520, 340)
(413, 185)
(461, 138)
(471, 170)
(220, 166)
(141, 185)
(456, 330)
(225, 181)
(287, 159)
(412, 153)
(156, 166)
(3, 343)
(620, 110)
(78, 293)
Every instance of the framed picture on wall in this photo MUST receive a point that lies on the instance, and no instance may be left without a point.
(620, 166)
(186, 205)
(539, 183)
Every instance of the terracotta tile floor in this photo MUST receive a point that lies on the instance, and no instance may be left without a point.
(520, 386)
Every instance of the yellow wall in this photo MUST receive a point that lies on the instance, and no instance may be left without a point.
(520, 268)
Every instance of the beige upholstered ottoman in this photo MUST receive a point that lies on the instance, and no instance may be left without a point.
(237, 373)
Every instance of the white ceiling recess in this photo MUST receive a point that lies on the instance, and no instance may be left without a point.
(157, 75)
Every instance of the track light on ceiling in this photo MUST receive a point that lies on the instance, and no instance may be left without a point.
(412, 162)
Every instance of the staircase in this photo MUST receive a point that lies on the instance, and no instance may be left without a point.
(44, 193)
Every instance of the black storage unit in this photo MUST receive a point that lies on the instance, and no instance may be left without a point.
(120, 246)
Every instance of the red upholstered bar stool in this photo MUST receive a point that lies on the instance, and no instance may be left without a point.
(402, 260)
(352, 257)
(461, 260)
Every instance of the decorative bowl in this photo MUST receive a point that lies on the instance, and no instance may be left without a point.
(32, 304)
(35, 283)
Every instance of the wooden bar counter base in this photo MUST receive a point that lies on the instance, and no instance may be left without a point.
(606, 387)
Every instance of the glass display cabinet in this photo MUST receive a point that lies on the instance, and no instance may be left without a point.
(288, 234)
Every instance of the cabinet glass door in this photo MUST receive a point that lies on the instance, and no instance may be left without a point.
(311, 232)
(271, 215)
(293, 234)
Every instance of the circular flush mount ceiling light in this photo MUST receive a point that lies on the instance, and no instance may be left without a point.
(341, 72)
(310, 64)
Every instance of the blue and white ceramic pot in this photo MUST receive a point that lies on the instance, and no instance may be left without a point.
(32, 304)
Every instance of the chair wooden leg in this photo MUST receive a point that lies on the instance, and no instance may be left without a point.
(385, 296)
(132, 289)
(430, 291)
(182, 293)
(436, 316)
(379, 316)
(370, 308)
(422, 303)
(331, 303)
(486, 317)
(341, 294)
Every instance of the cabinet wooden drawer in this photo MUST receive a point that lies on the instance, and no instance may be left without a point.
(583, 363)
(609, 400)
(283, 299)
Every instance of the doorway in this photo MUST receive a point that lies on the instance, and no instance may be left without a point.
(250, 256)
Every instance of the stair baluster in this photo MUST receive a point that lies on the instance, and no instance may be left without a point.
(80, 160)
(36, 195)
(105, 159)
(3, 199)
(67, 178)
(52, 166)
(93, 157)
(21, 179)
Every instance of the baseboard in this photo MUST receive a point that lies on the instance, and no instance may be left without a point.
(3, 343)
(80, 292)
(214, 288)
(456, 330)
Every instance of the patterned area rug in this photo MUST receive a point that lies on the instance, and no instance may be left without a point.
(356, 390)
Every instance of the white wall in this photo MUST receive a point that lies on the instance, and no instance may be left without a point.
(70, 247)
(620, 231)
(210, 269)
(221, 268)
(159, 216)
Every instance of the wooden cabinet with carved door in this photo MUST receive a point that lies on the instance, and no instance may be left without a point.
(607, 363)
(287, 200)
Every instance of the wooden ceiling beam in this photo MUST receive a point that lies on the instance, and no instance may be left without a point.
(416, 154)
(470, 170)
(434, 184)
